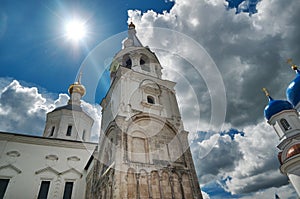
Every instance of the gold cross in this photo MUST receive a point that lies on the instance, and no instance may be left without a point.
(266, 91)
(79, 77)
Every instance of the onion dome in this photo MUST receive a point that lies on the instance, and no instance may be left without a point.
(293, 90)
(275, 106)
(77, 88)
(293, 150)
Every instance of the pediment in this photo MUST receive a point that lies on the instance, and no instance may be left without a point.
(9, 170)
(72, 172)
(47, 169)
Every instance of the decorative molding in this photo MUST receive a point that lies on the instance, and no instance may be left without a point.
(47, 169)
(71, 170)
(57, 172)
(13, 154)
(51, 157)
(45, 141)
(11, 167)
(73, 158)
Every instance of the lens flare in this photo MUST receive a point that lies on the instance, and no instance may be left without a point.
(75, 30)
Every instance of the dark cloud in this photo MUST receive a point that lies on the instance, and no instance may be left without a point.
(250, 52)
(223, 157)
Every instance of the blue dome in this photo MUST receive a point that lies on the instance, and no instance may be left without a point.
(276, 106)
(293, 90)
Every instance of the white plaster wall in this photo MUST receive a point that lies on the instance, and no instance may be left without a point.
(126, 97)
(294, 177)
(30, 167)
(61, 119)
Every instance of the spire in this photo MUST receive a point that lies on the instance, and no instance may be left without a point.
(79, 77)
(267, 93)
(132, 39)
(293, 66)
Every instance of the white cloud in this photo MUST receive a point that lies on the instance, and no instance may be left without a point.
(93, 110)
(205, 195)
(23, 109)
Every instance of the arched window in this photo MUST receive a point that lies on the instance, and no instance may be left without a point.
(285, 124)
(127, 61)
(144, 63)
(150, 100)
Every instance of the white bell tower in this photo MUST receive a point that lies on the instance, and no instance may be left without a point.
(144, 151)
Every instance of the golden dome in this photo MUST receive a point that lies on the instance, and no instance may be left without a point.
(77, 88)
(294, 150)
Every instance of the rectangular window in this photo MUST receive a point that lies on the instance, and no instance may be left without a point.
(3, 186)
(69, 130)
(68, 190)
(44, 189)
(83, 135)
(52, 131)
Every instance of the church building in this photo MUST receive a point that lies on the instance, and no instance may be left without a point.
(283, 115)
(143, 150)
(54, 165)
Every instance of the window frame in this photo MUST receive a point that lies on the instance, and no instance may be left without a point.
(150, 99)
(69, 130)
(41, 187)
(2, 194)
(285, 125)
(52, 131)
(69, 196)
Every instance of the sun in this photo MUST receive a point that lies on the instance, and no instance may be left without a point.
(75, 29)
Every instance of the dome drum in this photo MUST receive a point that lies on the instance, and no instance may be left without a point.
(293, 151)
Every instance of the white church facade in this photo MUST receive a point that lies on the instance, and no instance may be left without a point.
(54, 165)
(143, 149)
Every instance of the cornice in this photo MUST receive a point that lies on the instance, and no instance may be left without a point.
(37, 140)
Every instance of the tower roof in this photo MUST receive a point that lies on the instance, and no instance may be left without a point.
(132, 40)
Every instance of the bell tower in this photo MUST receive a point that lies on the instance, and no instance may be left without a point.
(144, 150)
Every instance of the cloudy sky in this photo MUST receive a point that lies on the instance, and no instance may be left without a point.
(241, 49)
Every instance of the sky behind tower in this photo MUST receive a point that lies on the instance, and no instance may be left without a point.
(249, 41)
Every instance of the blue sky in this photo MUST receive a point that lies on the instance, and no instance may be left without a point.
(33, 46)
(248, 41)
